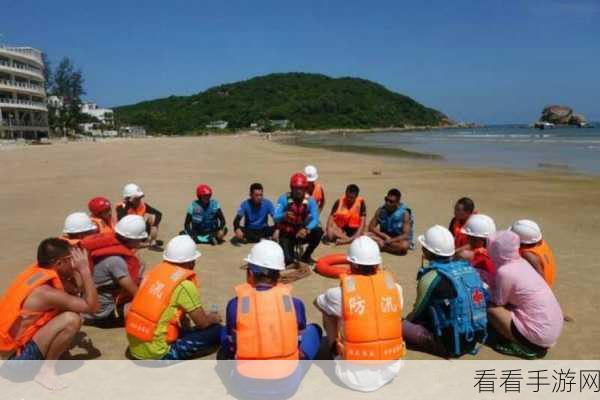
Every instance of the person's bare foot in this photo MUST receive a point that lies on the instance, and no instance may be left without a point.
(47, 378)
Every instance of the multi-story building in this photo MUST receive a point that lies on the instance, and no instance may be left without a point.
(104, 115)
(23, 110)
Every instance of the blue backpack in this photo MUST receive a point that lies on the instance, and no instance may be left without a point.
(466, 314)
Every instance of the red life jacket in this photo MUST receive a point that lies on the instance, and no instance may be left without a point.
(104, 245)
(291, 225)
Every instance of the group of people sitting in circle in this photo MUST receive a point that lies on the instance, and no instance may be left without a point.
(476, 285)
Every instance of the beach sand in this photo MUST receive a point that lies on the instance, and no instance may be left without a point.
(42, 184)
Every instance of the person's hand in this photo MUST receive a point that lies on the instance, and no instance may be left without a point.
(302, 233)
(80, 261)
(239, 234)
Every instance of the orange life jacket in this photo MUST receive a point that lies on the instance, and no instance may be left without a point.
(266, 330)
(11, 307)
(345, 217)
(153, 298)
(318, 194)
(103, 226)
(546, 257)
(139, 210)
(72, 242)
(372, 314)
(102, 245)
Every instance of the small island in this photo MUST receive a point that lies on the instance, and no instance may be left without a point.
(556, 115)
(285, 101)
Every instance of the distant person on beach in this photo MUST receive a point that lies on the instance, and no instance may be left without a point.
(39, 319)
(525, 314)
(362, 318)
(117, 270)
(255, 211)
(204, 221)
(264, 324)
(158, 322)
(535, 249)
(391, 226)
(315, 189)
(463, 209)
(101, 214)
(77, 226)
(478, 229)
(347, 220)
(297, 218)
(449, 315)
(133, 204)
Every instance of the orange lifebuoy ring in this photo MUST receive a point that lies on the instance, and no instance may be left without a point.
(333, 265)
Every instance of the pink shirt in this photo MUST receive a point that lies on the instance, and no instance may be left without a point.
(536, 312)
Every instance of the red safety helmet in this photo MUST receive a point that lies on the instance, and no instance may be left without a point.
(98, 205)
(298, 180)
(203, 190)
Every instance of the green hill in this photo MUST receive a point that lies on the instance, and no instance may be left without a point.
(309, 101)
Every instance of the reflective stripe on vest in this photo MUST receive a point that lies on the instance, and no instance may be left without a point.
(11, 307)
(266, 329)
(345, 217)
(372, 315)
(546, 258)
(152, 300)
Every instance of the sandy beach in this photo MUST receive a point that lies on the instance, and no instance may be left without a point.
(42, 184)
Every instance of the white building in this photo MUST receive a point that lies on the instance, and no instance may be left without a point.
(105, 115)
(23, 110)
(132, 131)
(217, 125)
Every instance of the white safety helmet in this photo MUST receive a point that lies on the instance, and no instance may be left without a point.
(479, 225)
(529, 232)
(181, 249)
(364, 251)
(132, 227)
(132, 190)
(310, 171)
(78, 222)
(267, 254)
(438, 240)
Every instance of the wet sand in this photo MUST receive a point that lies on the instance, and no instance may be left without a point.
(42, 184)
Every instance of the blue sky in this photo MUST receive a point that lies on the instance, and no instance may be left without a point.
(487, 61)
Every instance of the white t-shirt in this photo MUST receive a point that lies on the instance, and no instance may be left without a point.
(364, 378)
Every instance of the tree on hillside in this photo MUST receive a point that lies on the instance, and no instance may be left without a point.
(67, 84)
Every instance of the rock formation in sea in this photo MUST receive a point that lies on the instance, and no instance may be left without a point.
(562, 115)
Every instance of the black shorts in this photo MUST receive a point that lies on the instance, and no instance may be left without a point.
(350, 231)
(523, 341)
(255, 235)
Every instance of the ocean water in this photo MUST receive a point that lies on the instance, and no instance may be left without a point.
(506, 146)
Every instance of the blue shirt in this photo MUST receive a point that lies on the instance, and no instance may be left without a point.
(256, 217)
(229, 343)
(313, 211)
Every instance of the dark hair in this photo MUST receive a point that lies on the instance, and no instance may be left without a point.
(467, 204)
(50, 250)
(352, 188)
(432, 256)
(255, 186)
(264, 274)
(394, 193)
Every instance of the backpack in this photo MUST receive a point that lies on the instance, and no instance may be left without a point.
(465, 316)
